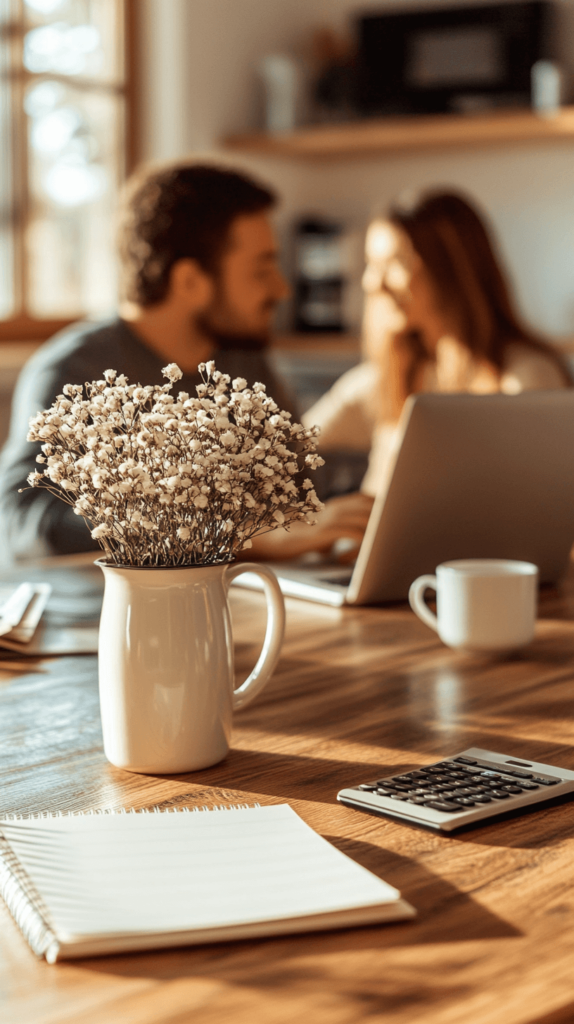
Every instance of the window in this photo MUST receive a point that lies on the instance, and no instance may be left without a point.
(63, 97)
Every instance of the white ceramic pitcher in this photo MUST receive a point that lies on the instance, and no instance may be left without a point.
(166, 664)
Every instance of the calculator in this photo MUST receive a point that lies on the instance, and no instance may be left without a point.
(473, 786)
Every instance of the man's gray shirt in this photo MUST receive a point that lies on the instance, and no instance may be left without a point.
(37, 523)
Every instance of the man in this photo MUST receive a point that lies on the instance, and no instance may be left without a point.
(201, 279)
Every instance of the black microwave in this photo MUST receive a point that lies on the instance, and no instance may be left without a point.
(458, 59)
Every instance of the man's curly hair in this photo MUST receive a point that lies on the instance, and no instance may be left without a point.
(184, 211)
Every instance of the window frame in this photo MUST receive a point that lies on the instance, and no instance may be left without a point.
(23, 327)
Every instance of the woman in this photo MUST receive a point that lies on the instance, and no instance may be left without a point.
(438, 317)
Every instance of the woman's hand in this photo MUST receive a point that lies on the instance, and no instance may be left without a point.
(342, 518)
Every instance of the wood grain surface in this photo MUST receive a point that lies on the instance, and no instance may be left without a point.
(358, 693)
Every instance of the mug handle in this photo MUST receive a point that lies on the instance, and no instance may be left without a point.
(418, 603)
(273, 634)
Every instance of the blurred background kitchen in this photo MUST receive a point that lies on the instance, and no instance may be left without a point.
(338, 104)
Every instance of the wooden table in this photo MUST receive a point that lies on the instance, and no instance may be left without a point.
(356, 693)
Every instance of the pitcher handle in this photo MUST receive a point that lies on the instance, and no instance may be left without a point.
(273, 634)
(418, 603)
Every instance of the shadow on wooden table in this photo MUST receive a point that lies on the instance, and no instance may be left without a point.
(565, 1015)
(535, 829)
(464, 918)
(286, 975)
(286, 776)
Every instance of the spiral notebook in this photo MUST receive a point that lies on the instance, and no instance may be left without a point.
(86, 885)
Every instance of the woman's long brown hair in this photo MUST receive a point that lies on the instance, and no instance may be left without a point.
(451, 239)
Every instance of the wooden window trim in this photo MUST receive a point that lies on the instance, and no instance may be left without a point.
(24, 328)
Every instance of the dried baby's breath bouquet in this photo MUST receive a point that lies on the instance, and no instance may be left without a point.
(167, 481)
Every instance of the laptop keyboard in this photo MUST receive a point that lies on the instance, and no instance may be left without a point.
(343, 579)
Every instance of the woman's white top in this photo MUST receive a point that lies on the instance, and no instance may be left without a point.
(347, 414)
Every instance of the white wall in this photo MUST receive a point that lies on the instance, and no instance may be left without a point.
(201, 60)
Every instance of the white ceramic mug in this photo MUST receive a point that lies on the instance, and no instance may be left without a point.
(166, 664)
(483, 604)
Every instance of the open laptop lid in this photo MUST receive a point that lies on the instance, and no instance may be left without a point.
(475, 476)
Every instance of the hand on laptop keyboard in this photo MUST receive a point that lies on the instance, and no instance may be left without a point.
(343, 517)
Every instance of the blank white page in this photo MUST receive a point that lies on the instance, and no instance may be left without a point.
(108, 874)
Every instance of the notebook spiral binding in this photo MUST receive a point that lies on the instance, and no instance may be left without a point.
(49, 816)
(21, 898)
(25, 905)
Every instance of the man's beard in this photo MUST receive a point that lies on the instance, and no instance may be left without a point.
(216, 323)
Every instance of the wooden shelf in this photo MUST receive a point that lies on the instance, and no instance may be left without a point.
(413, 133)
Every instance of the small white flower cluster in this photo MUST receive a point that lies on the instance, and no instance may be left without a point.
(165, 481)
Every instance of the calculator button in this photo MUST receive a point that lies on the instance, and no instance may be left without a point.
(418, 775)
(443, 805)
(528, 785)
(384, 792)
(448, 794)
(466, 801)
(483, 799)
(385, 782)
(521, 775)
(464, 760)
(545, 782)
(369, 787)
(489, 775)
(416, 800)
(401, 778)
(499, 794)
(511, 789)
(435, 770)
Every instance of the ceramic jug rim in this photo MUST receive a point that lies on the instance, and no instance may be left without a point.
(161, 568)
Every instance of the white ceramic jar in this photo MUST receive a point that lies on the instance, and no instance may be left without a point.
(166, 664)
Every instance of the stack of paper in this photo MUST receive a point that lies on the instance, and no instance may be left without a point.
(25, 630)
(21, 609)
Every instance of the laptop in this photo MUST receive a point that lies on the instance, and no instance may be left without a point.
(475, 476)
